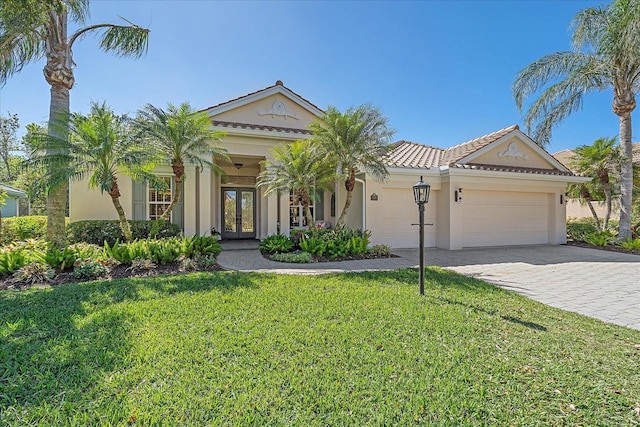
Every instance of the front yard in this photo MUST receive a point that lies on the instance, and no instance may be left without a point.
(228, 348)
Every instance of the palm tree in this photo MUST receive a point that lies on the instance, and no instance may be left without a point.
(300, 168)
(584, 192)
(354, 141)
(602, 161)
(605, 56)
(181, 135)
(33, 30)
(100, 146)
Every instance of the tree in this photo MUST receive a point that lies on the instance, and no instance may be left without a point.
(31, 30)
(353, 142)
(301, 168)
(29, 176)
(181, 135)
(605, 56)
(600, 160)
(100, 146)
(8, 141)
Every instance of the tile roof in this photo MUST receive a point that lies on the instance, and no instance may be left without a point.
(564, 156)
(259, 127)
(520, 169)
(278, 83)
(414, 155)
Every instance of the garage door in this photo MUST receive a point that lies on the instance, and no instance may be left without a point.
(493, 218)
(398, 212)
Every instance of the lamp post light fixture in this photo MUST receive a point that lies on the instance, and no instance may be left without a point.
(421, 196)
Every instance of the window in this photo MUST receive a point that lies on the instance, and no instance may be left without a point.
(296, 212)
(159, 200)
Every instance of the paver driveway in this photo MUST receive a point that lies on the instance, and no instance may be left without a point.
(600, 284)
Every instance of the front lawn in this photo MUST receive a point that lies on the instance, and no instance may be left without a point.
(228, 348)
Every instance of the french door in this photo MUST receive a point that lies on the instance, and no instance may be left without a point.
(239, 213)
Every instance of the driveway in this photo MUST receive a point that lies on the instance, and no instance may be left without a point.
(604, 285)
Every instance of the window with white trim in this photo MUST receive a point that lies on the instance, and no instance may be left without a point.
(297, 219)
(159, 200)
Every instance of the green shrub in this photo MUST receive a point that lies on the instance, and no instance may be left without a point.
(276, 243)
(205, 261)
(61, 259)
(631, 244)
(165, 251)
(23, 227)
(11, 260)
(577, 230)
(200, 245)
(89, 269)
(358, 245)
(294, 257)
(100, 231)
(382, 251)
(599, 238)
(337, 248)
(296, 236)
(313, 245)
(33, 273)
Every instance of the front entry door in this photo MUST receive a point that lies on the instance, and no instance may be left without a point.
(239, 213)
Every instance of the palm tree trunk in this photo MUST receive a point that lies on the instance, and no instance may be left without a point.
(307, 213)
(349, 185)
(626, 172)
(606, 187)
(178, 172)
(57, 198)
(594, 214)
(115, 199)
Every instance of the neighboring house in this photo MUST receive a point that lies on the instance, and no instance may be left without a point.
(500, 189)
(575, 208)
(11, 205)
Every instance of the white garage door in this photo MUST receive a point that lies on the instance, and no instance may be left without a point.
(494, 218)
(399, 211)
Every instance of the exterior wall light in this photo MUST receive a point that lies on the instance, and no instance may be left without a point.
(457, 195)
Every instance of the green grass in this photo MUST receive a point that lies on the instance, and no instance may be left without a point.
(350, 349)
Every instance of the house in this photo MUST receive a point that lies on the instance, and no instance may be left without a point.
(11, 205)
(575, 208)
(499, 189)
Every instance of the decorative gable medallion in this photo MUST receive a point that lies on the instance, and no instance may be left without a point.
(513, 151)
(278, 109)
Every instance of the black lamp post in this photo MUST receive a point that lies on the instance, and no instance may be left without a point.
(421, 196)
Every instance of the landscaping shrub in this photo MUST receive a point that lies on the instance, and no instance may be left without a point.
(61, 259)
(313, 245)
(89, 269)
(577, 230)
(276, 243)
(599, 238)
(21, 228)
(631, 244)
(295, 257)
(32, 273)
(165, 251)
(100, 231)
(381, 251)
(12, 259)
(200, 245)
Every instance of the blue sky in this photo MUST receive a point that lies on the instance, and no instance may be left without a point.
(440, 70)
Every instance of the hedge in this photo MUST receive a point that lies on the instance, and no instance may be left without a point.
(99, 231)
(18, 228)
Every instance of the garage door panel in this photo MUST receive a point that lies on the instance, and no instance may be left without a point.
(398, 212)
(494, 218)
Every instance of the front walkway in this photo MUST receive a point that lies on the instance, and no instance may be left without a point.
(604, 285)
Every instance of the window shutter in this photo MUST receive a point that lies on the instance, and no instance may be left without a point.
(139, 200)
(177, 215)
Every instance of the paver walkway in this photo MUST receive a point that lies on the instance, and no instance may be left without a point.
(604, 285)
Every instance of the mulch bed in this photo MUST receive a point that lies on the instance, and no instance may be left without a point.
(610, 248)
(344, 258)
(117, 272)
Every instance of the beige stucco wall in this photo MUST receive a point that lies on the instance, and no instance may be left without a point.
(497, 156)
(258, 113)
(576, 210)
(86, 203)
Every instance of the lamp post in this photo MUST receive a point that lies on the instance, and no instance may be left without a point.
(421, 196)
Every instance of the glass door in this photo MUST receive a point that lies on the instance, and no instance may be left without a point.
(238, 213)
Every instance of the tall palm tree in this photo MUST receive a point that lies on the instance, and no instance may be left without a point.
(181, 135)
(584, 193)
(353, 141)
(100, 146)
(602, 161)
(605, 56)
(31, 30)
(300, 168)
